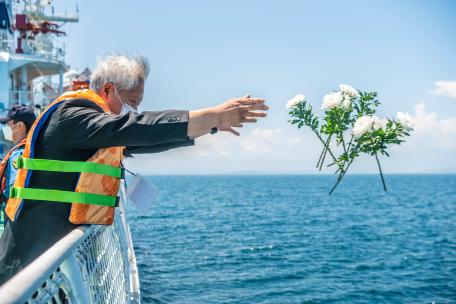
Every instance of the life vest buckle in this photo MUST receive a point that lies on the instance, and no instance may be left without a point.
(117, 201)
(12, 192)
(19, 162)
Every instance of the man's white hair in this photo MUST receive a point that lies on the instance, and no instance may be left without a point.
(125, 72)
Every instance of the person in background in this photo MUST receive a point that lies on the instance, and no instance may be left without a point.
(18, 122)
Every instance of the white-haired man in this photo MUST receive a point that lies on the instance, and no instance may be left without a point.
(84, 127)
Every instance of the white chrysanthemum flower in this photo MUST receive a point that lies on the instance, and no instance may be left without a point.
(347, 102)
(295, 101)
(332, 100)
(349, 90)
(363, 125)
(380, 123)
(406, 120)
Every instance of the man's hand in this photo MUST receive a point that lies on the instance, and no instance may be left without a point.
(237, 111)
(230, 114)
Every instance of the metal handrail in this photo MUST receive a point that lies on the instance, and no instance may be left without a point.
(32, 97)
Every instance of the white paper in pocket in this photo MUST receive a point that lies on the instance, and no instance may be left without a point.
(141, 193)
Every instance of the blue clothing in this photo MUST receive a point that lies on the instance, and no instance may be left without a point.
(2, 217)
(11, 171)
(10, 176)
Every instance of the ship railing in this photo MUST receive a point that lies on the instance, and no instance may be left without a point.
(91, 264)
(46, 46)
(27, 97)
(21, 97)
(5, 43)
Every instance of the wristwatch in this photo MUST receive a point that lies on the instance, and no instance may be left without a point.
(214, 130)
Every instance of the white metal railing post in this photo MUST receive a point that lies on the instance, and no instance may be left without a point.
(135, 296)
(70, 268)
(23, 85)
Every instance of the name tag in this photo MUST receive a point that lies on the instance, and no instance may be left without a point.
(142, 193)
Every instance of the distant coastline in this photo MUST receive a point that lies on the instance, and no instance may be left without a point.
(272, 173)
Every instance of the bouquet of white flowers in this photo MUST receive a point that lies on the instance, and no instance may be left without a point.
(350, 126)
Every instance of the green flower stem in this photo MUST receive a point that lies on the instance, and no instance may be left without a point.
(348, 150)
(327, 148)
(319, 159)
(350, 142)
(343, 142)
(381, 173)
(337, 183)
(341, 175)
(339, 179)
(324, 152)
(323, 160)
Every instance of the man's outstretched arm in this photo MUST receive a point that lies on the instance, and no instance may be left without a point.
(82, 125)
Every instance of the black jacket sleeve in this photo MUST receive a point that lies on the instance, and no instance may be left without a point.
(84, 125)
(157, 148)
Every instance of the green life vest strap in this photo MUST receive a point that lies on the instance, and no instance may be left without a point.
(64, 196)
(69, 166)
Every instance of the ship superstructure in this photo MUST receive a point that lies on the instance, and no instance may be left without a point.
(32, 66)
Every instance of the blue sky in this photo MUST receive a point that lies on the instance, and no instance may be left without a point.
(204, 52)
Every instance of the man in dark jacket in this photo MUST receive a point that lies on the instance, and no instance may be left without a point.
(78, 128)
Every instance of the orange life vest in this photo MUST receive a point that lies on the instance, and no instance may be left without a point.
(95, 196)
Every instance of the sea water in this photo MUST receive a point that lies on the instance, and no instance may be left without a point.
(283, 239)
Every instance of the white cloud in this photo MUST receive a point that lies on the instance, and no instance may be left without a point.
(221, 144)
(433, 132)
(430, 148)
(260, 141)
(445, 88)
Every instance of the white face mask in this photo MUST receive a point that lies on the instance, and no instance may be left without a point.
(8, 133)
(126, 108)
